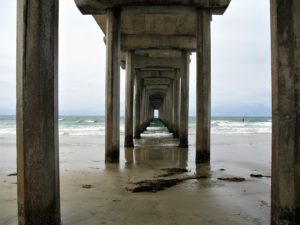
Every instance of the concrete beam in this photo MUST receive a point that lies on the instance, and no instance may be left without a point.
(37, 112)
(156, 96)
(148, 62)
(162, 54)
(157, 74)
(157, 87)
(158, 69)
(156, 101)
(157, 92)
(100, 6)
(156, 81)
(138, 42)
(158, 53)
(149, 23)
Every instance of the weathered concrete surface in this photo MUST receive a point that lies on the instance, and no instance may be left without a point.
(184, 100)
(285, 32)
(161, 62)
(158, 23)
(100, 6)
(176, 92)
(137, 105)
(157, 81)
(157, 87)
(158, 74)
(203, 89)
(143, 106)
(158, 27)
(37, 112)
(132, 41)
(129, 89)
(158, 53)
(112, 98)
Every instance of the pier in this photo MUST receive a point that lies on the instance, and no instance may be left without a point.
(153, 41)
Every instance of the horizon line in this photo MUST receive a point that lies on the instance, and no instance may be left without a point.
(124, 115)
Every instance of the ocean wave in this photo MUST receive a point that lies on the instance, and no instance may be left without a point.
(8, 131)
(83, 133)
(160, 134)
(91, 121)
(85, 126)
(156, 128)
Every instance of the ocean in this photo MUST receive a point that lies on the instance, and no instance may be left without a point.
(95, 125)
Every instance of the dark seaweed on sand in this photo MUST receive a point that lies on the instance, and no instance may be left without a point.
(160, 184)
(233, 179)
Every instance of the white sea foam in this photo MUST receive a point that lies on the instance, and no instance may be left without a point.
(91, 121)
(157, 134)
(7, 131)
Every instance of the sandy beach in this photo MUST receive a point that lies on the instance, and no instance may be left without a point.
(106, 199)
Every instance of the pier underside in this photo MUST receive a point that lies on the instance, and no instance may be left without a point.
(152, 40)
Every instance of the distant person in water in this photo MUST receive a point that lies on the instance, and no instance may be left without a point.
(243, 120)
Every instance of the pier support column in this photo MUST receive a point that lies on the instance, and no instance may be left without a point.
(143, 107)
(112, 103)
(137, 107)
(184, 100)
(37, 112)
(129, 100)
(285, 36)
(170, 112)
(176, 92)
(171, 105)
(203, 89)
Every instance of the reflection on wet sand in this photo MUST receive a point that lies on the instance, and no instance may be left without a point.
(157, 147)
(167, 156)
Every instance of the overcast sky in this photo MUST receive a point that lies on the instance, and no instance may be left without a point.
(241, 67)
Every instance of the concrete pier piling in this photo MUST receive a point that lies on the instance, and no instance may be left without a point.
(203, 89)
(129, 100)
(112, 98)
(184, 100)
(137, 106)
(176, 92)
(37, 113)
(285, 38)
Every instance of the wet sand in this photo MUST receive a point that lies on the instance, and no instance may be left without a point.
(204, 201)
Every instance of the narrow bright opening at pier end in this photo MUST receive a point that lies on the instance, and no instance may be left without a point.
(156, 113)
